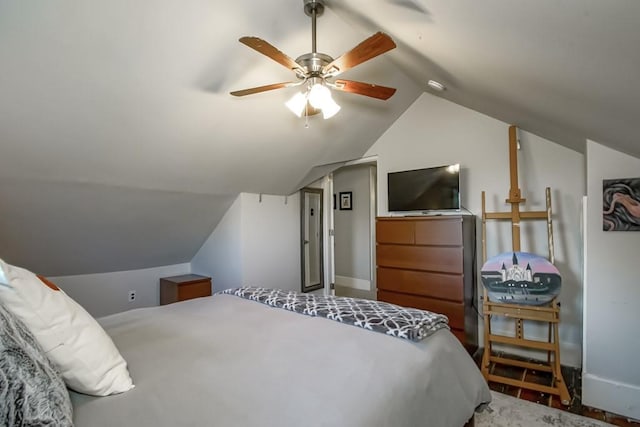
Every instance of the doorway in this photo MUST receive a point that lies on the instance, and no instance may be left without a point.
(355, 189)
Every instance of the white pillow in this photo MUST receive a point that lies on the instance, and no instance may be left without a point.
(86, 356)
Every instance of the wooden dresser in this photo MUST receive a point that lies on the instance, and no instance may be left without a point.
(184, 287)
(428, 262)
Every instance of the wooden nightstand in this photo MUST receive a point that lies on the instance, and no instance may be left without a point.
(184, 287)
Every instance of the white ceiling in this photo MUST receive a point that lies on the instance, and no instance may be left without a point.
(105, 100)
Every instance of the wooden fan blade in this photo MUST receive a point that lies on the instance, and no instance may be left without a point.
(272, 52)
(366, 89)
(375, 45)
(264, 88)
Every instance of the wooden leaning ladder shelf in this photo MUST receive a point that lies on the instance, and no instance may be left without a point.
(548, 314)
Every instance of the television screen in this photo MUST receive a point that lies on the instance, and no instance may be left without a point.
(424, 189)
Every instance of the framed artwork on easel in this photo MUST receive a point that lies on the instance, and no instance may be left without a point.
(505, 280)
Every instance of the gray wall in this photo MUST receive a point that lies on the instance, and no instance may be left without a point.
(352, 228)
(436, 132)
(102, 294)
(220, 257)
(611, 379)
(257, 243)
(71, 228)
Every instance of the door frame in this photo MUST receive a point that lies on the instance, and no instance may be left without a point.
(329, 217)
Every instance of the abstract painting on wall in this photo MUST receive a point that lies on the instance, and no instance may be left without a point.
(621, 204)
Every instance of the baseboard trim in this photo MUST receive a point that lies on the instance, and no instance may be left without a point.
(352, 282)
(611, 396)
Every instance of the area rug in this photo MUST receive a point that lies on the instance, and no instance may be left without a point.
(507, 411)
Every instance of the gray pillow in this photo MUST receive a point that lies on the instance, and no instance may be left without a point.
(32, 392)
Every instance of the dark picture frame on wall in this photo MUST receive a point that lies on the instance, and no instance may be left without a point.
(346, 200)
(621, 204)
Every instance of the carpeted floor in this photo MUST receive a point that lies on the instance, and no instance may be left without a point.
(507, 411)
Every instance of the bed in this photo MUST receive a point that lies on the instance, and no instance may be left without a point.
(229, 361)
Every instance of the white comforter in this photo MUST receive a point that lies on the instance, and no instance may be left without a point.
(226, 361)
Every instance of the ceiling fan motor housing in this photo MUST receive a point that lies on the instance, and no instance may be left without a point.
(311, 5)
(313, 63)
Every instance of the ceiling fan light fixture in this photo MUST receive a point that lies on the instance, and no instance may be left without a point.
(330, 109)
(320, 98)
(319, 95)
(316, 97)
(297, 103)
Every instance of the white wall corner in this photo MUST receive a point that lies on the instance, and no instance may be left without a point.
(220, 255)
(270, 235)
(612, 396)
(610, 380)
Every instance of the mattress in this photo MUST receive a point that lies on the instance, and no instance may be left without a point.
(227, 361)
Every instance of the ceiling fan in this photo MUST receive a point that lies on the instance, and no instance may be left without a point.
(317, 72)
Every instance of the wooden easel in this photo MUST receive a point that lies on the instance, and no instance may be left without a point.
(549, 314)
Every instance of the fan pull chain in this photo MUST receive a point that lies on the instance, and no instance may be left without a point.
(306, 110)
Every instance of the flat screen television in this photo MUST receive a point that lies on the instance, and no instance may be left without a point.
(428, 189)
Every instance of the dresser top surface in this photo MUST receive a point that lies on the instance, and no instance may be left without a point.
(186, 278)
(424, 217)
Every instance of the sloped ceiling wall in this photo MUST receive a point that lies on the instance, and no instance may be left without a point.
(125, 105)
(73, 228)
(121, 147)
(561, 69)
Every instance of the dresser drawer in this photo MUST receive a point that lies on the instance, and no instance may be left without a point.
(399, 232)
(445, 231)
(444, 286)
(453, 310)
(426, 258)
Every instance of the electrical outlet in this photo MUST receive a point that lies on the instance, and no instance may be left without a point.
(132, 296)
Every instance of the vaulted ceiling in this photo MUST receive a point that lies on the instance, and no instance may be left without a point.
(121, 148)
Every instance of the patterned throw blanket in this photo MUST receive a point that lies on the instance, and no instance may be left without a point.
(390, 319)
